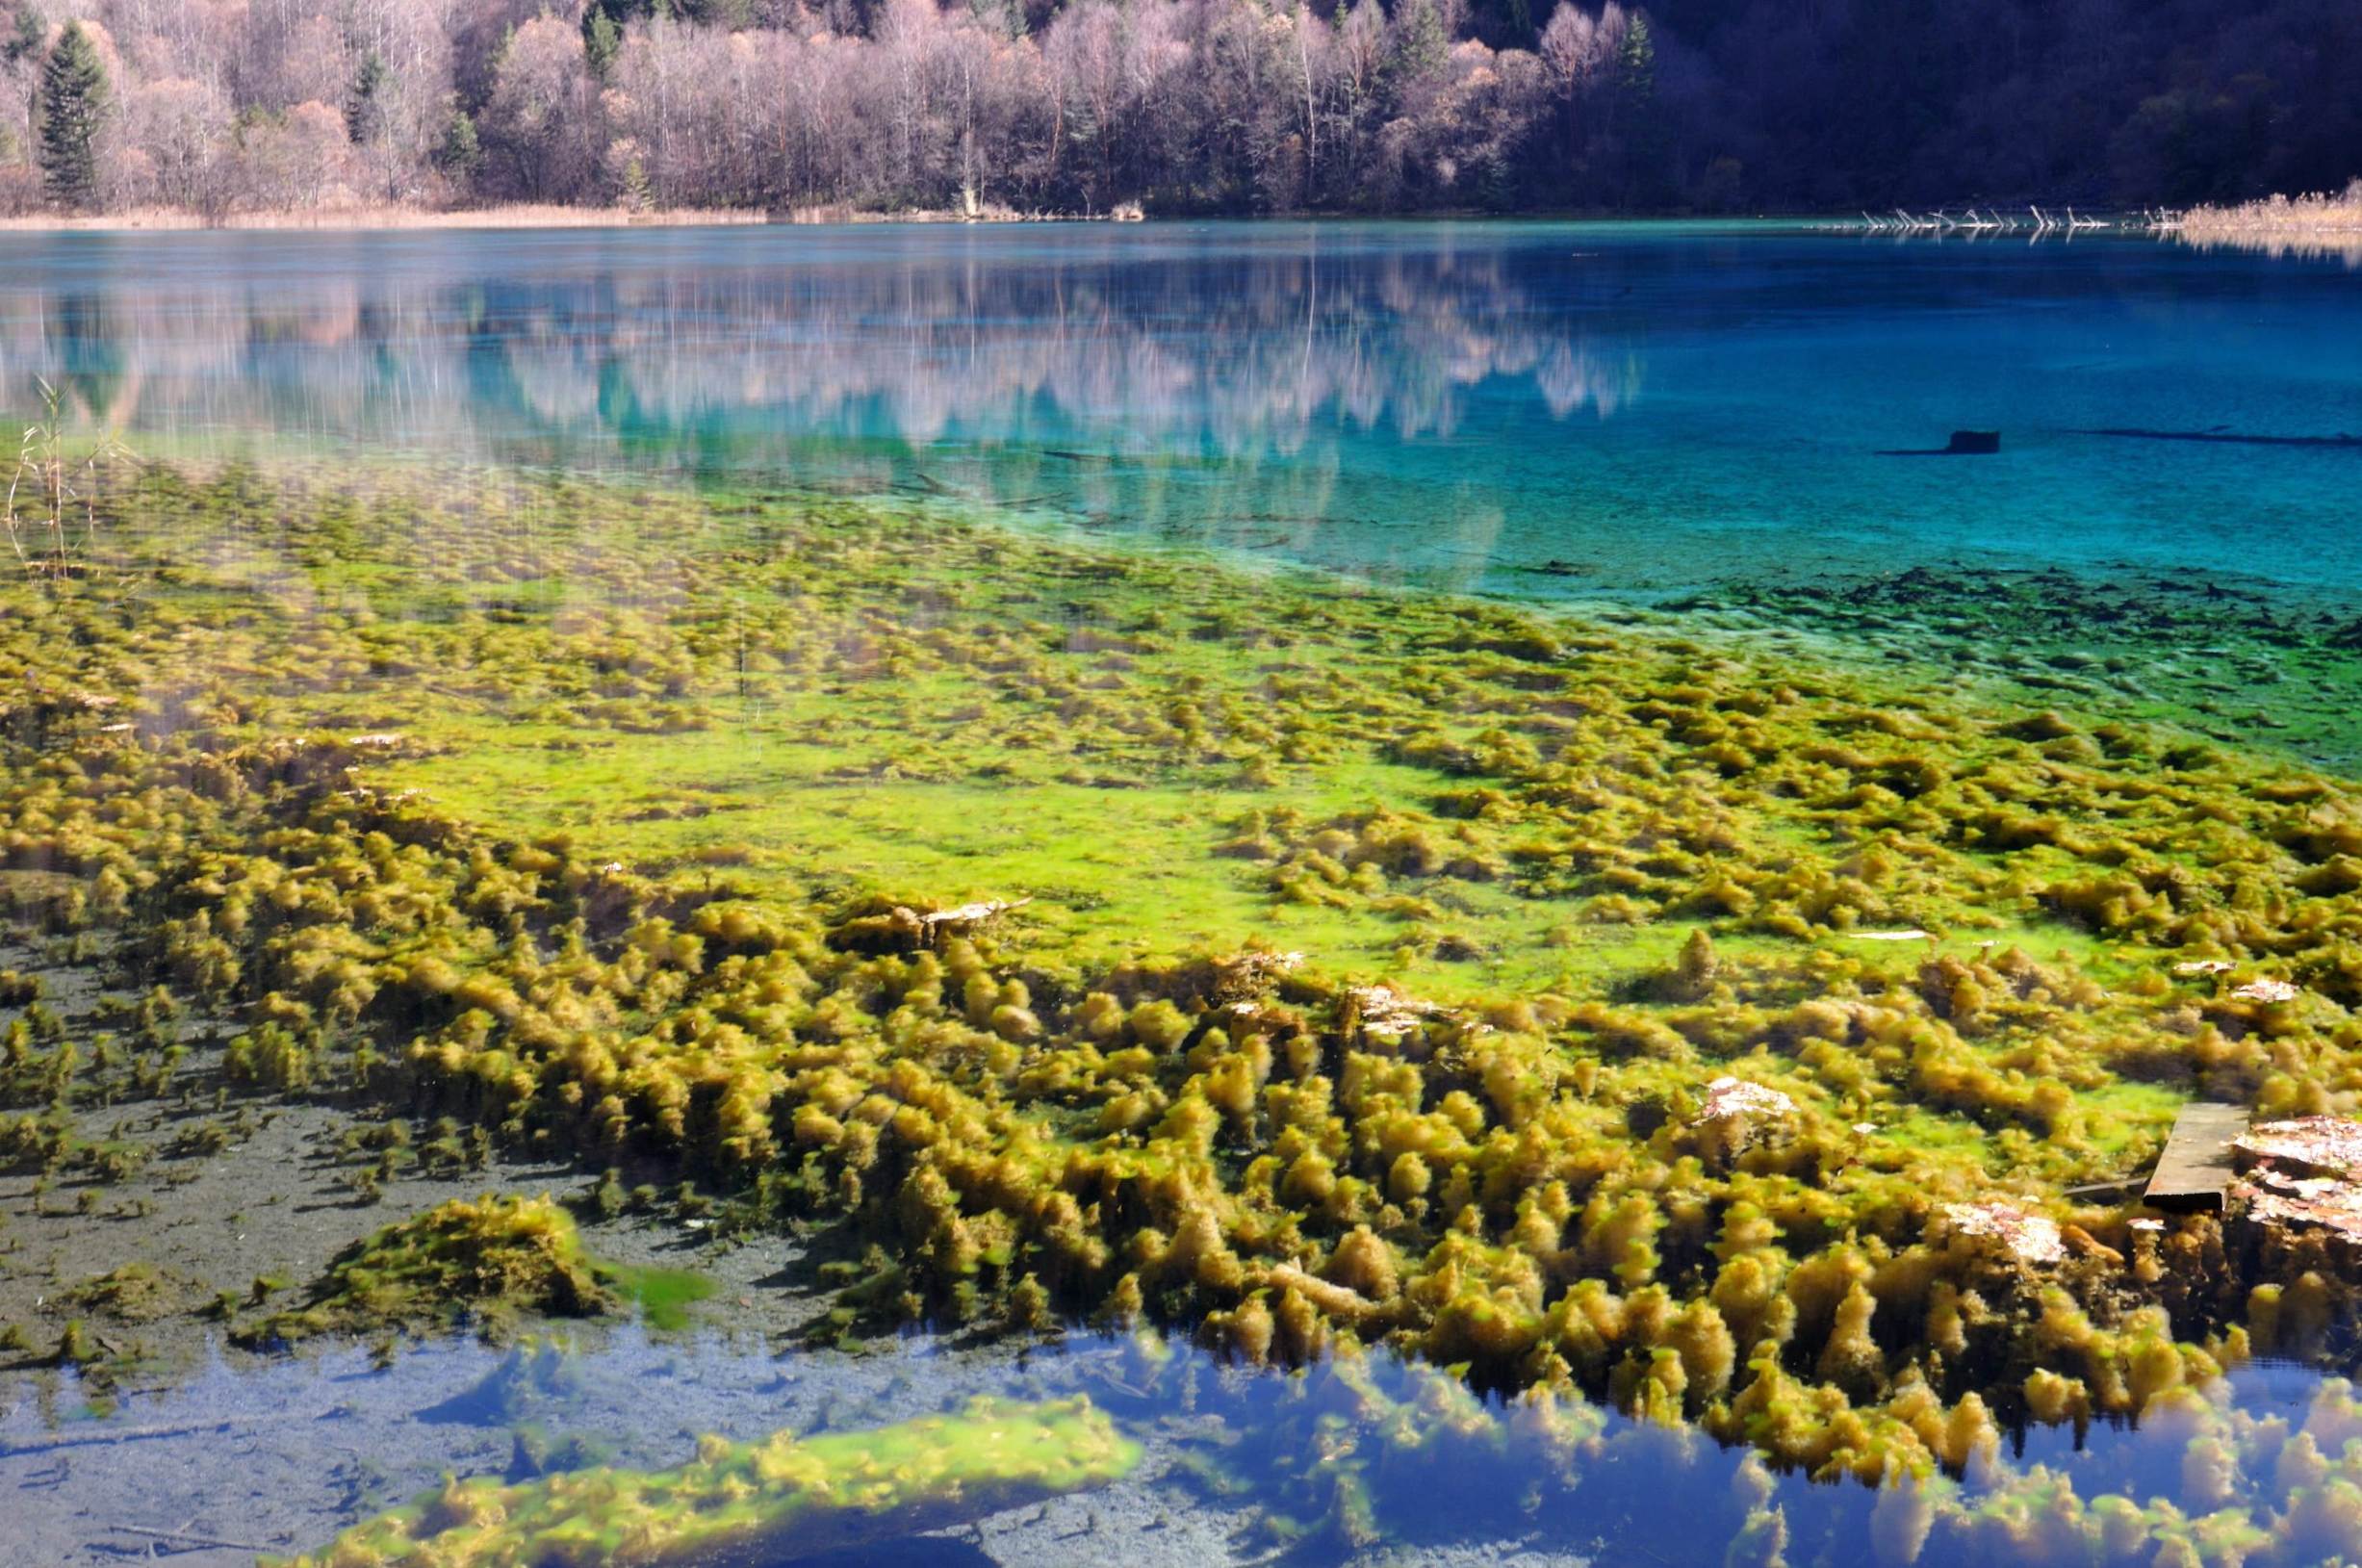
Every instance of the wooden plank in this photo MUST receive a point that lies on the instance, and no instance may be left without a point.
(2195, 1165)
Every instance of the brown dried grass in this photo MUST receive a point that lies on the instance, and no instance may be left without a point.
(2322, 224)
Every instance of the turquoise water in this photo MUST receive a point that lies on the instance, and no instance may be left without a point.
(1534, 409)
(1691, 421)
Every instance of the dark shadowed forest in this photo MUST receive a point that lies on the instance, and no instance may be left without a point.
(1180, 106)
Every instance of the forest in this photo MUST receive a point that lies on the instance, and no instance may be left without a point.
(1177, 107)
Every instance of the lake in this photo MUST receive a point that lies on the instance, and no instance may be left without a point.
(1528, 409)
(1472, 793)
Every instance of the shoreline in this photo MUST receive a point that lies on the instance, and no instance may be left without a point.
(397, 218)
(371, 220)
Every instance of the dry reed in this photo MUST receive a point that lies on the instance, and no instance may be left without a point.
(2322, 224)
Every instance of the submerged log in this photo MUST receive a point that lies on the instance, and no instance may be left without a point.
(2232, 437)
(1962, 444)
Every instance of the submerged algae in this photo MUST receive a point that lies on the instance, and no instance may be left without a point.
(488, 1259)
(1113, 1102)
(740, 1504)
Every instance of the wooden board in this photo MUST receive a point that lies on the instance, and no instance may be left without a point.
(2195, 1165)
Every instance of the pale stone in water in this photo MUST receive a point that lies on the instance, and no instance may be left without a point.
(2327, 1146)
(1386, 1011)
(1729, 1096)
(2030, 1237)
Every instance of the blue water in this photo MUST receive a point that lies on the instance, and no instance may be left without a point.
(1533, 409)
(1344, 1463)
(1545, 411)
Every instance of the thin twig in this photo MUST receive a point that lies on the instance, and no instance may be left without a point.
(101, 1433)
(184, 1538)
(119, 1434)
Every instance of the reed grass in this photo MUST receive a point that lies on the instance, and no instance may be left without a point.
(2324, 223)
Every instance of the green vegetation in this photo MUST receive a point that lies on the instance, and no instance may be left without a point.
(73, 104)
(487, 1260)
(752, 1501)
(55, 478)
(1091, 935)
(662, 1296)
(2241, 665)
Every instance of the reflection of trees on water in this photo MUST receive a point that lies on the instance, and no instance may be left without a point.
(1156, 389)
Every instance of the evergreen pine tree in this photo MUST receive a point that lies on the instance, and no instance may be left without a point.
(1642, 127)
(365, 106)
(460, 153)
(1420, 43)
(601, 41)
(73, 104)
(1636, 67)
(639, 191)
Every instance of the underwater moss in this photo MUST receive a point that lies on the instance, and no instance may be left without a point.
(486, 1260)
(1415, 1043)
(748, 1503)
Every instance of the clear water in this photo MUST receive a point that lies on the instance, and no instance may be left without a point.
(1240, 1466)
(1543, 411)
(1533, 409)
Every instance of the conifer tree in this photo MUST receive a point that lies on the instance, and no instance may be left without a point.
(1421, 45)
(73, 104)
(601, 41)
(461, 152)
(365, 107)
(639, 191)
(1637, 114)
(1636, 67)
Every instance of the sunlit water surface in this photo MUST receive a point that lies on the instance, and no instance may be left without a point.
(1375, 1462)
(1526, 408)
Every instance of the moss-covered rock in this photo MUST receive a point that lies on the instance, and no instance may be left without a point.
(487, 1261)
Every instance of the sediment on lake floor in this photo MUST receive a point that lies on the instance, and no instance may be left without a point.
(1370, 967)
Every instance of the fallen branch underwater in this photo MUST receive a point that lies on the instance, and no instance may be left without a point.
(2233, 437)
(184, 1538)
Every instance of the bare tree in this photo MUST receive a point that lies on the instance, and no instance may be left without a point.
(542, 124)
(294, 160)
(180, 127)
(1084, 51)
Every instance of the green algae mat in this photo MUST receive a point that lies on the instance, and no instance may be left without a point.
(1102, 937)
(746, 1505)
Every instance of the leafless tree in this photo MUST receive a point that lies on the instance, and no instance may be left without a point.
(543, 124)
